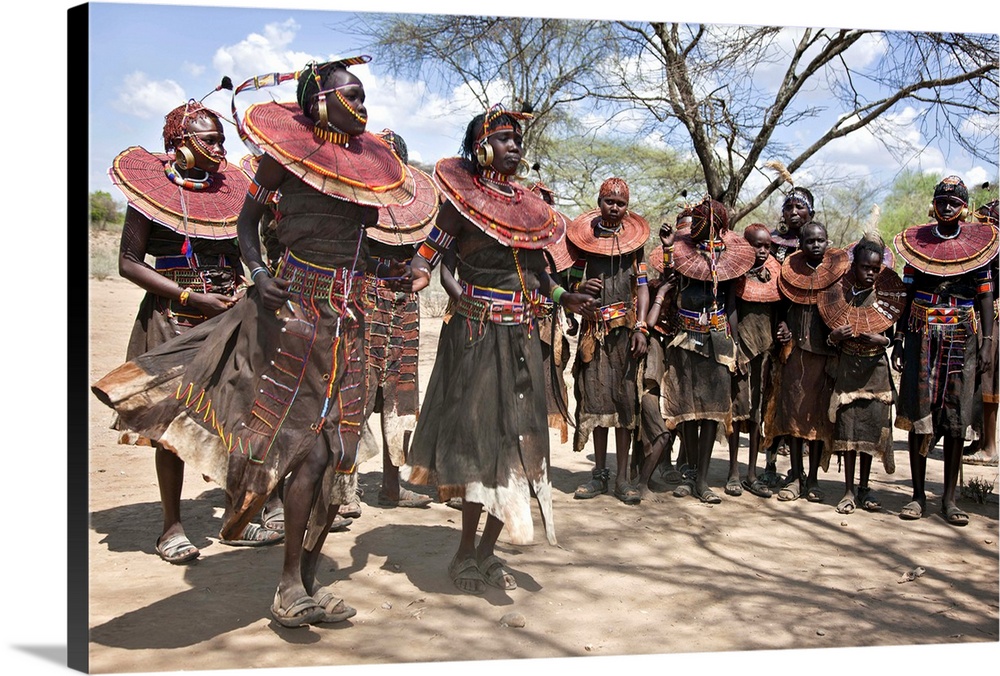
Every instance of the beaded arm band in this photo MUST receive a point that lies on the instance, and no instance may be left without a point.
(668, 257)
(258, 193)
(437, 242)
(642, 278)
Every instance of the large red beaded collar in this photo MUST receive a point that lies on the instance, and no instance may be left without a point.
(521, 220)
(629, 237)
(926, 249)
(802, 284)
(760, 286)
(875, 315)
(733, 257)
(408, 223)
(364, 171)
(202, 210)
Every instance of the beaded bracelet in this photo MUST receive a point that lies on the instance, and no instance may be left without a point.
(253, 274)
(185, 294)
(668, 256)
(557, 293)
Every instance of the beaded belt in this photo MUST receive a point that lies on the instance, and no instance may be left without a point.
(922, 316)
(703, 322)
(496, 305)
(309, 279)
(613, 311)
(928, 299)
(215, 274)
(859, 349)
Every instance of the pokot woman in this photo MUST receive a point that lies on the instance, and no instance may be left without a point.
(392, 332)
(949, 302)
(182, 209)
(275, 387)
(482, 433)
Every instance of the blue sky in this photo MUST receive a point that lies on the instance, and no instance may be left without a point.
(145, 59)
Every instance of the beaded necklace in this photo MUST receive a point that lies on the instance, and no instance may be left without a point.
(937, 232)
(332, 135)
(605, 231)
(189, 183)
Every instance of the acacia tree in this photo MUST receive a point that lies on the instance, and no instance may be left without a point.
(723, 93)
(711, 87)
(544, 64)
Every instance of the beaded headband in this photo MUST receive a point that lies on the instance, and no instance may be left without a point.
(797, 195)
(952, 186)
(495, 112)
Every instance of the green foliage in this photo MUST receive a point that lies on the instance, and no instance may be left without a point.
(104, 211)
(574, 167)
(907, 202)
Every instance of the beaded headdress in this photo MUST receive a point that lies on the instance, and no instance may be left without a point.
(952, 186)
(614, 185)
(493, 115)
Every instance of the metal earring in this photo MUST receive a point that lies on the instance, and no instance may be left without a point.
(523, 168)
(184, 158)
(484, 154)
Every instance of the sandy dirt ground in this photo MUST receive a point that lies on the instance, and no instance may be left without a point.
(667, 577)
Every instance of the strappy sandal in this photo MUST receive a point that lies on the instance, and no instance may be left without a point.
(598, 485)
(177, 549)
(335, 608)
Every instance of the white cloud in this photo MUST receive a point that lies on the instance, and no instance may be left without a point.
(148, 99)
(193, 69)
(261, 53)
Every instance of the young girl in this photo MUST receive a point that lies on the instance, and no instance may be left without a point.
(802, 387)
(859, 309)
(757, 294)
(694, 390)
(608, 246)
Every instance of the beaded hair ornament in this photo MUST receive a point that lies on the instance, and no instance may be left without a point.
(258, 82)
(491, 126)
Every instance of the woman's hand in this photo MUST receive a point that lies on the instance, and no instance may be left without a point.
(579, 303)
(591, 287)
(667, 234)
(783, 334)
(209, 304)
(273, 291)
(639, 344)
(841, 333)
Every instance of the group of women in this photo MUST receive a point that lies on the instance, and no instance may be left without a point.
(265, 383)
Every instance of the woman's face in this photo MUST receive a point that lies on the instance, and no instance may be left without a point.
(794, 214)
(205, 138)
(345, 105)
(613, 207)
(506, 151)
(760, 240)
(948, 208)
